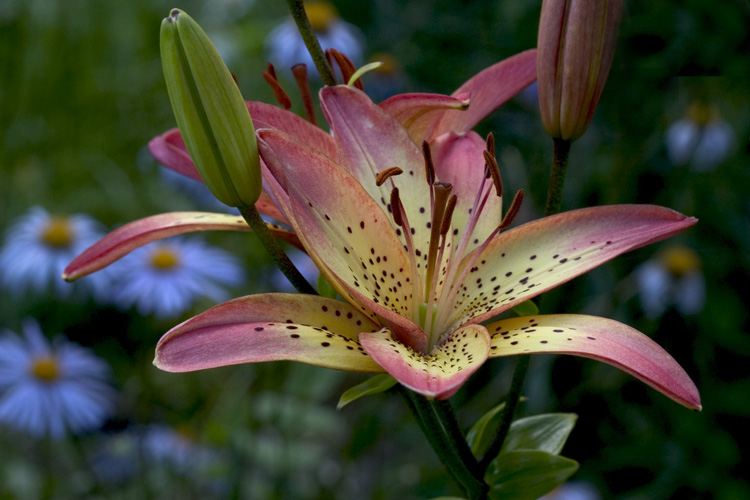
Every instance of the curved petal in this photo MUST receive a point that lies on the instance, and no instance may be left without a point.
(441, 373)
(268, 116)
(459, 160)
(418, 112)
(346, 232)
(269, 327)
(135, 234)
(596, 338)
(539, 255)
(169, 150)
(487, 91)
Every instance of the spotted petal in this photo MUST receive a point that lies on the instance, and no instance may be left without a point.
(127, 238)
(539, 255)
(346, 232)
(269, 327)
(439, 374)
(597, 338)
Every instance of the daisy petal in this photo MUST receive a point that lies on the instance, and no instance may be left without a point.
(135, 234)
(438, 375)
(487, 91)
(539, 255)
(596, 338)
(345, 232)
(417, 112)
(269, 327)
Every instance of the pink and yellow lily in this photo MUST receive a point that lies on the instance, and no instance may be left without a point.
(398, 211)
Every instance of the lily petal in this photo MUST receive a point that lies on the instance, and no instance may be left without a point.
(439, 374)
(417, 112)
(539, 255)
(370, 140)
(169, 150)
(345, 232)
(596, 338)
(459, 160)
(135, 234)
(269, 327)
(487, 91)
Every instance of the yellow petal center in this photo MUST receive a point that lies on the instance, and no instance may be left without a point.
(164, 258)
(680, 260)
(58, 232)
(45, 368)
(321, 15)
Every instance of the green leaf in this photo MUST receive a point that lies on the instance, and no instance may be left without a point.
(527, 475)
(373, 385)
(478, 438)
(448, 498)
(527, 308)
(546, 432)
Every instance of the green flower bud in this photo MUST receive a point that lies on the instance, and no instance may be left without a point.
(576, 44)
(210, 112)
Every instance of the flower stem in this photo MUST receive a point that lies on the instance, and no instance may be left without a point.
(554, 205)
(557, 176)
(286, 266)
(519, 375)
(311, 41)
(437, 422)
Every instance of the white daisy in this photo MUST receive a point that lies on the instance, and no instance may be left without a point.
(286, 48)
(701, 139)
(672, 278)
(39, 245)
(48, 389)
(165, 278)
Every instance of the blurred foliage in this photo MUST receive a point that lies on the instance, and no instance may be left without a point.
(81, 94)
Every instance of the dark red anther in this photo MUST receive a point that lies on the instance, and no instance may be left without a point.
(515, 206)
(278, 91)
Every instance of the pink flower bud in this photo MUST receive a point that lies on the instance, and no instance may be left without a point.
(576, 44)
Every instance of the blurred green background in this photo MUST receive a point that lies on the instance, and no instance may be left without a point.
(81, 94)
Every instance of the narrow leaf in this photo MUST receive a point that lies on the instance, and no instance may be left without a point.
(479, 437)
(541, 432)
(527, 308)
(371, 386)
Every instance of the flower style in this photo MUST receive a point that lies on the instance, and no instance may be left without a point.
(39, 245)
(166, 278)
(46, 389)
(411, 239)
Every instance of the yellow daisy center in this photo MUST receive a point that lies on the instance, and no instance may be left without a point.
(164, 258)
(321, 15)
(390, 64)
(58, 232)
(701, 114)
(45, 368)
(680, 260)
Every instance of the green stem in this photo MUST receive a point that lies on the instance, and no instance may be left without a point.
(311, 41)
(437, 422)
(516, 385)
(557, 176)
(554, 205)
(286, 266)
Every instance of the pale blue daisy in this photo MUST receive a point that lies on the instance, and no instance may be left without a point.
(286, 48)
(47, 389)
(672, 278)
(701, 139)
(165, 278)
(37, 248)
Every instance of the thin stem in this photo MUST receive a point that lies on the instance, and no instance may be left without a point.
(286, 266)
(519, 375)
(311, 41)
(439, 426)
(557, 176)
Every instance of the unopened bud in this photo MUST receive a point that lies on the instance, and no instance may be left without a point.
(210, 112)
(576, 44)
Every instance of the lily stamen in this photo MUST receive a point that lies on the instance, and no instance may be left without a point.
(278, 91)
(303, 84)
(400, 219)
(383, 175)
